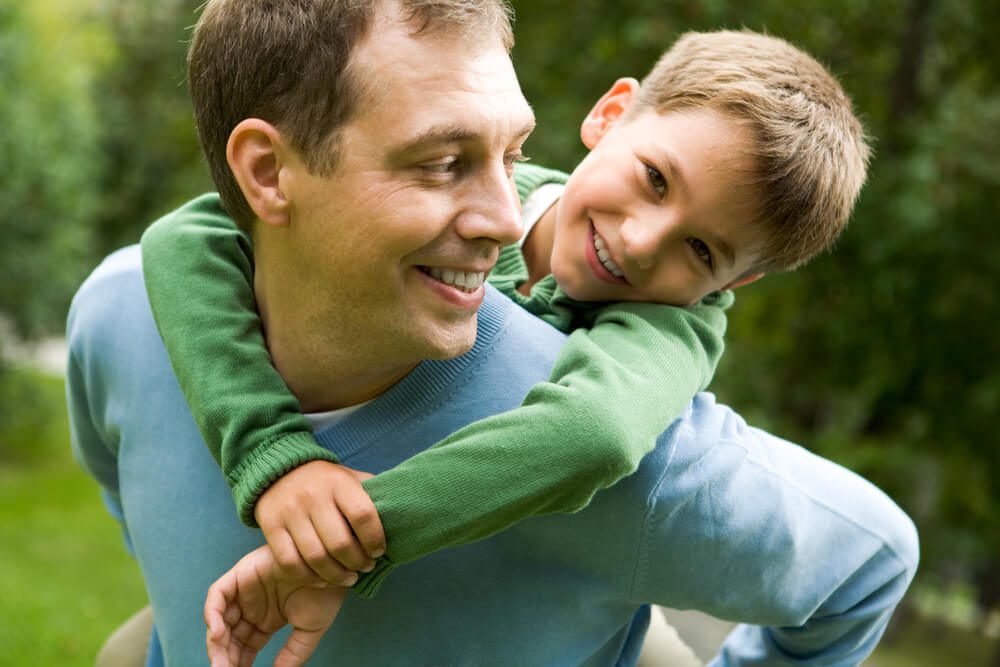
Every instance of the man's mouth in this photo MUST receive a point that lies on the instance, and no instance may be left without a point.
(605, 257)
(467, 281)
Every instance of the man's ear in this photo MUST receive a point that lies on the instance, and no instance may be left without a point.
(256, 153)
(745, 280)
(608, 110)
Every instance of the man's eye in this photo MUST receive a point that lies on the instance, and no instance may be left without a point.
(702, 251)
(441, 167)
(656, 181)
(511, 158)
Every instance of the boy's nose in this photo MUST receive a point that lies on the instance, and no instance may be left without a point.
(643, 239)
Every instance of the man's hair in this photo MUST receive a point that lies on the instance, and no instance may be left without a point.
(810, 153)
(288, 62)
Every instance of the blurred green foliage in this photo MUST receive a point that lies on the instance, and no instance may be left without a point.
(881, 355)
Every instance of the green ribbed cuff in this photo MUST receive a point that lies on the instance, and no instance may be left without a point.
(369, 582)
(270, 463)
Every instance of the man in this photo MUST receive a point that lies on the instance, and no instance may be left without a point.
(349, 207)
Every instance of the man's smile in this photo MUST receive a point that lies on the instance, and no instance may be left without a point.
(467, 281)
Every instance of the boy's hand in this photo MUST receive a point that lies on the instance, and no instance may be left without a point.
(251, 602)
(318, 515)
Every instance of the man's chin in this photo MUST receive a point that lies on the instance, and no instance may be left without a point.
(453, 341)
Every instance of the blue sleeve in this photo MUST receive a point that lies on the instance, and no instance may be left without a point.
(94, 446)
(810, 557)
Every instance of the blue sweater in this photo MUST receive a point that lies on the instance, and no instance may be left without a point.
(720, 517)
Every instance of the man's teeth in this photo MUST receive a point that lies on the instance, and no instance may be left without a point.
(466, 281)
(605, 257)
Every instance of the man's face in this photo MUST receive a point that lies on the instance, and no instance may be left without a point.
(394, 245)
(661, 210)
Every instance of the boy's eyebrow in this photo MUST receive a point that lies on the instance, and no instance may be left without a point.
(723, 246)
(677, 175)
(673, 166)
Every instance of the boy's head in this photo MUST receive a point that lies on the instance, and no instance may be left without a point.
(737, 155)
(289, 63)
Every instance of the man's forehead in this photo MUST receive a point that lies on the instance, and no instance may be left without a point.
(438, 87)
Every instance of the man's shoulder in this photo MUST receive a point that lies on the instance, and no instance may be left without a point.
(518, 331)
(111, 304)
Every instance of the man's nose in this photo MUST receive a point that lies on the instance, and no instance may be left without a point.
(494, 210)
(644, 237)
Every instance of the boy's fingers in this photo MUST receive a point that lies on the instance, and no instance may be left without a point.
(360, 512)
(285, 547)
(366, 524)
(314, 552)
(338, 539)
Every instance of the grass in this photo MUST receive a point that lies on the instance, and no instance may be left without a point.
(67, 580)
(926, 643)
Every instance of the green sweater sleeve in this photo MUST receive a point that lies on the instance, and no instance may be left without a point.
(615, 388)
(198, 269)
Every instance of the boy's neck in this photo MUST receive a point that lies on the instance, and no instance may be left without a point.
(537, 248)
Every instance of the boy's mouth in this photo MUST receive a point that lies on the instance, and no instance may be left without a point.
(600, 247)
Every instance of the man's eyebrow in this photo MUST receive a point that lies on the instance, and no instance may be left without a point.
(448, 133)
(437, 134)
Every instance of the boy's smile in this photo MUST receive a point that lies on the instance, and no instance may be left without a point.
(661, 210)
(601, 261)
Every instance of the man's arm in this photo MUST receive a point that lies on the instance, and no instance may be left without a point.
(94, 447)
(812, 558)
(252, 601)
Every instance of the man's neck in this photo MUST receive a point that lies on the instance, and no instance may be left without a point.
(329, 369)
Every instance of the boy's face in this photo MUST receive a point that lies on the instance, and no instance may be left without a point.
(661, 210)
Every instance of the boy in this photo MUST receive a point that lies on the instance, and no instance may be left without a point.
(738, 155)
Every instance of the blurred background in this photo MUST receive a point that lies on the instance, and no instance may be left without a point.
(881, 355)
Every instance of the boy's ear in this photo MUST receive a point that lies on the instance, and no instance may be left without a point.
(256, 154)
(608, 110)
(745, 280)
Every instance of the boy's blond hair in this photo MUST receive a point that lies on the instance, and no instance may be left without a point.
(288, 62)
(810, 151)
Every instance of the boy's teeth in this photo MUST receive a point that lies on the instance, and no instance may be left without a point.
(605, 257)
(467, 281)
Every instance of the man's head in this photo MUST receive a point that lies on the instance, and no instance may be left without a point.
(737, 155)
(376, 216)
(290, 63)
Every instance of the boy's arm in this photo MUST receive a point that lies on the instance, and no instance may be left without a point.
(198, 269)
(614, 389)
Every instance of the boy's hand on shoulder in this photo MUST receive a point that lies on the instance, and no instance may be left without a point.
(319, 519)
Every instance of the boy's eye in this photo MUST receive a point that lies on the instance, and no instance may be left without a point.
(702, 251)
(656, 181)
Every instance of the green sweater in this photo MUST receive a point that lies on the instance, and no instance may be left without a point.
(626, 372)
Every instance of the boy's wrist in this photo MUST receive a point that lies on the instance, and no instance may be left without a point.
(369, 582)
(268, 464)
